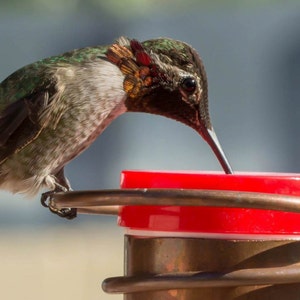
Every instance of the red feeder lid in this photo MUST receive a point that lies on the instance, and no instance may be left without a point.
(212, 220)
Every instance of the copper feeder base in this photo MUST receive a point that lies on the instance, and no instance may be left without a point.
(198, 268)
(192, 268)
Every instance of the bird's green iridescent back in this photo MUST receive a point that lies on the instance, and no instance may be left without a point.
(26, 80)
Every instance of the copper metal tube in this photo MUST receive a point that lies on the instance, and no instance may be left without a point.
(105, 201)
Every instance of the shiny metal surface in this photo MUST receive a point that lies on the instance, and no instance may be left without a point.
(171, 268)
(98, 201)
(190, 268)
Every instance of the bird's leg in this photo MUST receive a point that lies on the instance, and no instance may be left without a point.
(46, 197)
(61, 185)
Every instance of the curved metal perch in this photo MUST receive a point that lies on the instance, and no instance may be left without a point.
(193, 280)
(109, 201)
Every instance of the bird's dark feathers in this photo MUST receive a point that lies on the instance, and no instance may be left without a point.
(20, 121)
(26, 96)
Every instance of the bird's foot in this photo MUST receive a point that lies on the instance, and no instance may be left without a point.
(46, 201)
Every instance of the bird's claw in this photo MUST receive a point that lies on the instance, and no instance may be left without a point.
(46, 199)
(67, 213)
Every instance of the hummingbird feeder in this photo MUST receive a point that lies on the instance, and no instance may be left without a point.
(202, 235)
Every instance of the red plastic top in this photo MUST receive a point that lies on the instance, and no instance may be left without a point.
(219, 220)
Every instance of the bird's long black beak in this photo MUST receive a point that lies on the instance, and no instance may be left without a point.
(211, 138)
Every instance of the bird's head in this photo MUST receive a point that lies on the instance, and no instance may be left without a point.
(166, 77)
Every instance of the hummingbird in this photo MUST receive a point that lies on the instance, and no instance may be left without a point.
(53, 109)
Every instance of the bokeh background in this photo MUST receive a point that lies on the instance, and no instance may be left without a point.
(251, 50)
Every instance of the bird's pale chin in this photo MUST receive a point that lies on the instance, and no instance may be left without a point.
(210, 137)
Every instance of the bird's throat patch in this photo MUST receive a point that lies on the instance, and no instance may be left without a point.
(136, 64)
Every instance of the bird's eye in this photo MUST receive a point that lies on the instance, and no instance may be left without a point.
(189, 84)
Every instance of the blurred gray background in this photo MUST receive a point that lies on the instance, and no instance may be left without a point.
(251, 50)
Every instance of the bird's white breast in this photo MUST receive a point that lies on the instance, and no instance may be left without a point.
(90, 97)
